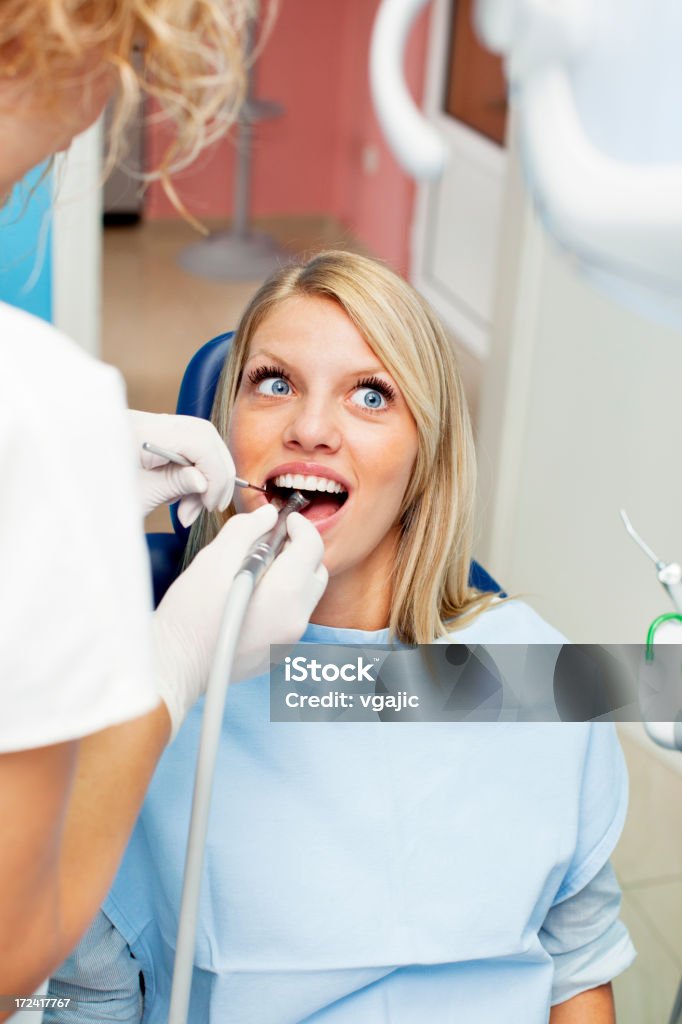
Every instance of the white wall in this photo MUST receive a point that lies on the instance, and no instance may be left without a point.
(579, 417)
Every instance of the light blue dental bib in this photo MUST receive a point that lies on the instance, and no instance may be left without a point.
(372, 872)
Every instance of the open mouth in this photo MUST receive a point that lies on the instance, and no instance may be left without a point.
(326, 496)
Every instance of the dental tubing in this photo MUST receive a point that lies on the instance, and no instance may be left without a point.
(256, 563)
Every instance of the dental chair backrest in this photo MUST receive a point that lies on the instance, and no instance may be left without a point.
(196, 396)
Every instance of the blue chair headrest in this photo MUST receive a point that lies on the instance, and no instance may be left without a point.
(197, 392)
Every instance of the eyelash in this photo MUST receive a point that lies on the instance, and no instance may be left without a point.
(263, 372)
(375, 383)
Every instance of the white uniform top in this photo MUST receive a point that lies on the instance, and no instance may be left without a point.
(75, 594)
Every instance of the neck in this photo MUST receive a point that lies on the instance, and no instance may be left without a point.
(360, 597)
(19, 151)
(11, 171)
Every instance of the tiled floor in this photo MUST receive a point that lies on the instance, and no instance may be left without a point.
(155, 317)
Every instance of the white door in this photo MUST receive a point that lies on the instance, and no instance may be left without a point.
(457, 221)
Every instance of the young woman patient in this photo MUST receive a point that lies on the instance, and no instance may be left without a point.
(370, 873)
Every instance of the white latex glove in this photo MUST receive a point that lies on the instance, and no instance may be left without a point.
(284, 599)
(208, 483)
(187, 622)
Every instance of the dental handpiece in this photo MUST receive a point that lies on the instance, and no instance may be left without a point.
(259, 558)
(263, 553)
(180, 460)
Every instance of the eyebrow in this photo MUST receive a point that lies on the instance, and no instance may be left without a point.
(264, 354)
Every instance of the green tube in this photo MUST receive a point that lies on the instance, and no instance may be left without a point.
(652, 630)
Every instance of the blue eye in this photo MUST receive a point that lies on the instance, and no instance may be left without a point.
(369, 398)
(277, 386)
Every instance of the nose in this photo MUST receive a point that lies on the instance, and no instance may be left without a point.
(313, 426)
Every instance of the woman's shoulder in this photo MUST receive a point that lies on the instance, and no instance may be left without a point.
(506, 622)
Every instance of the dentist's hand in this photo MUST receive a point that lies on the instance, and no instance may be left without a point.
(208, 483)
(187, 622)
(284, 599)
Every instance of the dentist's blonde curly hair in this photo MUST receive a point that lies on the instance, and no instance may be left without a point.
(430, 580)
(192, 55)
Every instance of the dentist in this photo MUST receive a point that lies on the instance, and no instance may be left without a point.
(92, 684)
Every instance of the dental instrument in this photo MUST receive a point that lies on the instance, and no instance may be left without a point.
(665, 734)
(180, 460)
(669, 574)
(256, 563)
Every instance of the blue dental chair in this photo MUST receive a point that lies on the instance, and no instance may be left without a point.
(196, 399)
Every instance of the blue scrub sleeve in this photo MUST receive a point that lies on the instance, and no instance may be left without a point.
(101, 979)
(588, 944)
(602, 808)
(581, 931)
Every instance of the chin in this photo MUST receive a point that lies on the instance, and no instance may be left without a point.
(338, 562)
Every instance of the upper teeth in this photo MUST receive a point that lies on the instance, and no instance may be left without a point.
(309, 483)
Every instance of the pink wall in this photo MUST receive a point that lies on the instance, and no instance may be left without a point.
(376, 207)
(309, 161)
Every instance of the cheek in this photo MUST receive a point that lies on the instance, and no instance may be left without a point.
(399, 457)
(388, 474)
(245, 436)
(396, 481)
(251, 439)
(234, 433)
(238, 442)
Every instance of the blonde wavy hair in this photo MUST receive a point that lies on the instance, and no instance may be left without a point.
(430, 582)
(193, 55)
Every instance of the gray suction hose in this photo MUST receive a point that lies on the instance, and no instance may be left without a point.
(256, 563)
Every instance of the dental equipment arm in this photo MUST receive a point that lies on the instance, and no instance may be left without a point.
(207, 482)
(416, 144)
(595, 88)
(252, 570)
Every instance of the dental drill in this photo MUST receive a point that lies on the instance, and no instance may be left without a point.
(254, 566)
